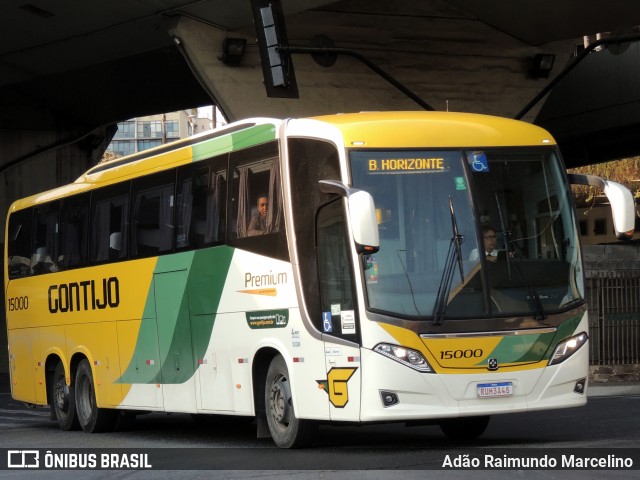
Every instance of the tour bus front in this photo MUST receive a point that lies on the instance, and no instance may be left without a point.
(474, 302)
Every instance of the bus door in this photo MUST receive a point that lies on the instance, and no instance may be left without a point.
(340, 323)
(175, 340)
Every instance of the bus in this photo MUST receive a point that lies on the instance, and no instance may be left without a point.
(305, 271)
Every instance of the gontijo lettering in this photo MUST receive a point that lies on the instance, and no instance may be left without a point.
(406, 164)
(85, 295)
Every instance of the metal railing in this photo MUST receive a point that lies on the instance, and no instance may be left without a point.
(613, 298)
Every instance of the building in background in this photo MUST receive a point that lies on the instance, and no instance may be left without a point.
(141, 133)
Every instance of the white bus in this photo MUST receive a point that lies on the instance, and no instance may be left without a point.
(304, 271)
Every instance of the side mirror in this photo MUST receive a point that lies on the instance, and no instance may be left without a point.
(621, 200)
(362, 215)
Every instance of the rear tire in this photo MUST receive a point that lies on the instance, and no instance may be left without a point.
(63, 401)
(91, 418)
(464, 428)
(287, 430)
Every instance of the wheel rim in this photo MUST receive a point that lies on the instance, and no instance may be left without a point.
(280, 402)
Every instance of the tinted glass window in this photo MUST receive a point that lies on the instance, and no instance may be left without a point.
(74, 223)
(108, 239)
(19, 243)
(152, 219)
(44, 254)
(201, 204)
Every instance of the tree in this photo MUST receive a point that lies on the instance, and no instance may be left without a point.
(626, 172)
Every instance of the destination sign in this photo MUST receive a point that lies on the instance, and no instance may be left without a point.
(407, 164)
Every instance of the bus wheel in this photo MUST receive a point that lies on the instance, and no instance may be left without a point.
(464, 428)
(286, 429)
(63, 401)
(92, 419)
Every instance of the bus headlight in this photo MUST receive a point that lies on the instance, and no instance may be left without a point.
(406, 356)
(568, 347)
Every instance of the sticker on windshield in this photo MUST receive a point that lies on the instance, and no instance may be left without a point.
(348, 320)
(478, 162)
(460, 183)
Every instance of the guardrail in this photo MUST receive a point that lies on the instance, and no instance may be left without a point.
(613, 299)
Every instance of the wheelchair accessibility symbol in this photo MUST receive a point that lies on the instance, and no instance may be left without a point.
(479, 162)
(327, 323)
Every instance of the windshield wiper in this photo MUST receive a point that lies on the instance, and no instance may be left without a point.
(454, 254)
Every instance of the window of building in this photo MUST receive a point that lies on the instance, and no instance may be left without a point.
(600, 226)
(147, 144)
(126, 130)
(122, 147)
(150, 129)
(584, 228)
(173, 129)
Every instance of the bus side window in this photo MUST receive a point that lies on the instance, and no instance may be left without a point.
(44, 256)
(19, 243)
(201, 204)
(109, 214)
(152, 220)
(74, 222)
(256, 217)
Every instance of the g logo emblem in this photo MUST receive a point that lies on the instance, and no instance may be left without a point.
(336, 385)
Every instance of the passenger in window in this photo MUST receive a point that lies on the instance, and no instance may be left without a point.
(258, 223)
(115, 245)
(42, 262)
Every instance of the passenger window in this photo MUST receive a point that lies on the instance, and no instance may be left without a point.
(19, 243)
(44, 253)
(257, 213)
(74, 223)
(201, 204)
(109, 224)
(152, 220)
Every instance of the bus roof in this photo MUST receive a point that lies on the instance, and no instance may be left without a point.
(434, 130)
(231, 137)
(402, 129)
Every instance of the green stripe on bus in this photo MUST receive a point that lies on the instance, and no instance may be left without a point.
(179, 316)
(234, 141)
(533, 347)
(254, 136)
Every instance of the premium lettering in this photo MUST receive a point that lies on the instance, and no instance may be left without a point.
(268, 280)
(85, 295)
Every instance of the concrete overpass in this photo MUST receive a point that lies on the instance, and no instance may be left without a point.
(70, 70)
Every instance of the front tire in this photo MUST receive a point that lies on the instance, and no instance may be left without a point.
(287, 430)
(91, 418)
(63, 402)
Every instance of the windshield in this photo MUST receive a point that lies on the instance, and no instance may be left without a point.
(469, 233)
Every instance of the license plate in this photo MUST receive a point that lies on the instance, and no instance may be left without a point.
(498, 389)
